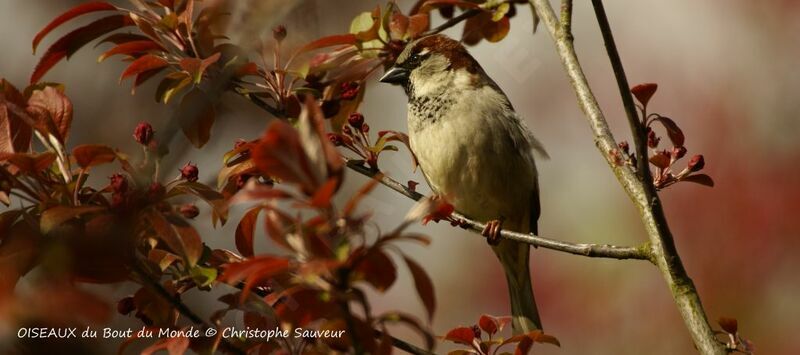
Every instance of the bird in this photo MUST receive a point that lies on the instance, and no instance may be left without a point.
(475, 152)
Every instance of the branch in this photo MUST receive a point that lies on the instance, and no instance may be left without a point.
(591, 250)
(641, 192)
(452, 22)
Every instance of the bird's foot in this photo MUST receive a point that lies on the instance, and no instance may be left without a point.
(492, 231)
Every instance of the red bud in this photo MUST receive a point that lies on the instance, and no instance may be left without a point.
(279, 33)
(356, 120)
(143, 133)
(697, 163)
(189, 172)
(119, 184)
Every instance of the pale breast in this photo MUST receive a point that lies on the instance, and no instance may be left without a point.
(476, 154)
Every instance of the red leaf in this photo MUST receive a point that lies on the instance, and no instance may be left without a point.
(489, 324)
(335, 40)
(253, 271)
(245, 231)
(71, 42)
(143, 64)
(661, 160)
(196, 117)
(673, 131)
(729, 325)
(53, 110)
(377, 269)
(461, 335)
(89, 155)
(279, 154)
(643, 92)
(359, 195)
(130, 48)
(424, 286)
(524, 346)
(701, 179)
(70, 14)
(322, 198)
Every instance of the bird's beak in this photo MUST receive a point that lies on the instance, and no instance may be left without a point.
(395, 75)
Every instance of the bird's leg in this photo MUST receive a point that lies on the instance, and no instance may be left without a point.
(492, 231)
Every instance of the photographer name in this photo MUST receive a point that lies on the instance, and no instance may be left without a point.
(267, 334)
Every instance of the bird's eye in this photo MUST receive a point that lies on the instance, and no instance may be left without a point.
(414, 58)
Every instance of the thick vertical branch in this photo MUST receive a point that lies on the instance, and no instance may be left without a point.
(639, 189)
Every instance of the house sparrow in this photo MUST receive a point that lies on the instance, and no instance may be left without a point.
(474, 151)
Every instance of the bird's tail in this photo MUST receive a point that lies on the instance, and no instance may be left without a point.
(514, 257)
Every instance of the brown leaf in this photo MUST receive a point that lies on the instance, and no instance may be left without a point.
(673, 131)
(76, 11)
(196, 116)
(88, 155)
(729, 325)
(418, 24)
(335, 40)
(57, 215)
(701, 179)
(71, 42)
(29, 162)
(15, 133)
(398, 25)
(245, 231)
(52, 110)
(424, 286)
(131, 48)
(660, 159)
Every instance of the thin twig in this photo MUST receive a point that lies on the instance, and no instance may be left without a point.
(453, 21)
(641, 192)
(591, 250)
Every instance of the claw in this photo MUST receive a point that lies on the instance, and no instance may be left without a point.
(492, 231)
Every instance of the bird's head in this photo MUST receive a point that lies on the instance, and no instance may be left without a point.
(431, 64)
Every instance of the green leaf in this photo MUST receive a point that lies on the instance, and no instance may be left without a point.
(203, 276)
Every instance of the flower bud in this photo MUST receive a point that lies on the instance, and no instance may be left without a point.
(189, 211)
(189, 172)
(119, 184)
(143, 133)
(697, 163)
(678, 152)
(365, 128)
(346, 130)
(279, 33)
(349, 90)
(335, 139)
(356, 120)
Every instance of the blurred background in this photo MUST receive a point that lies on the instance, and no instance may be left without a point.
(726, 73)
